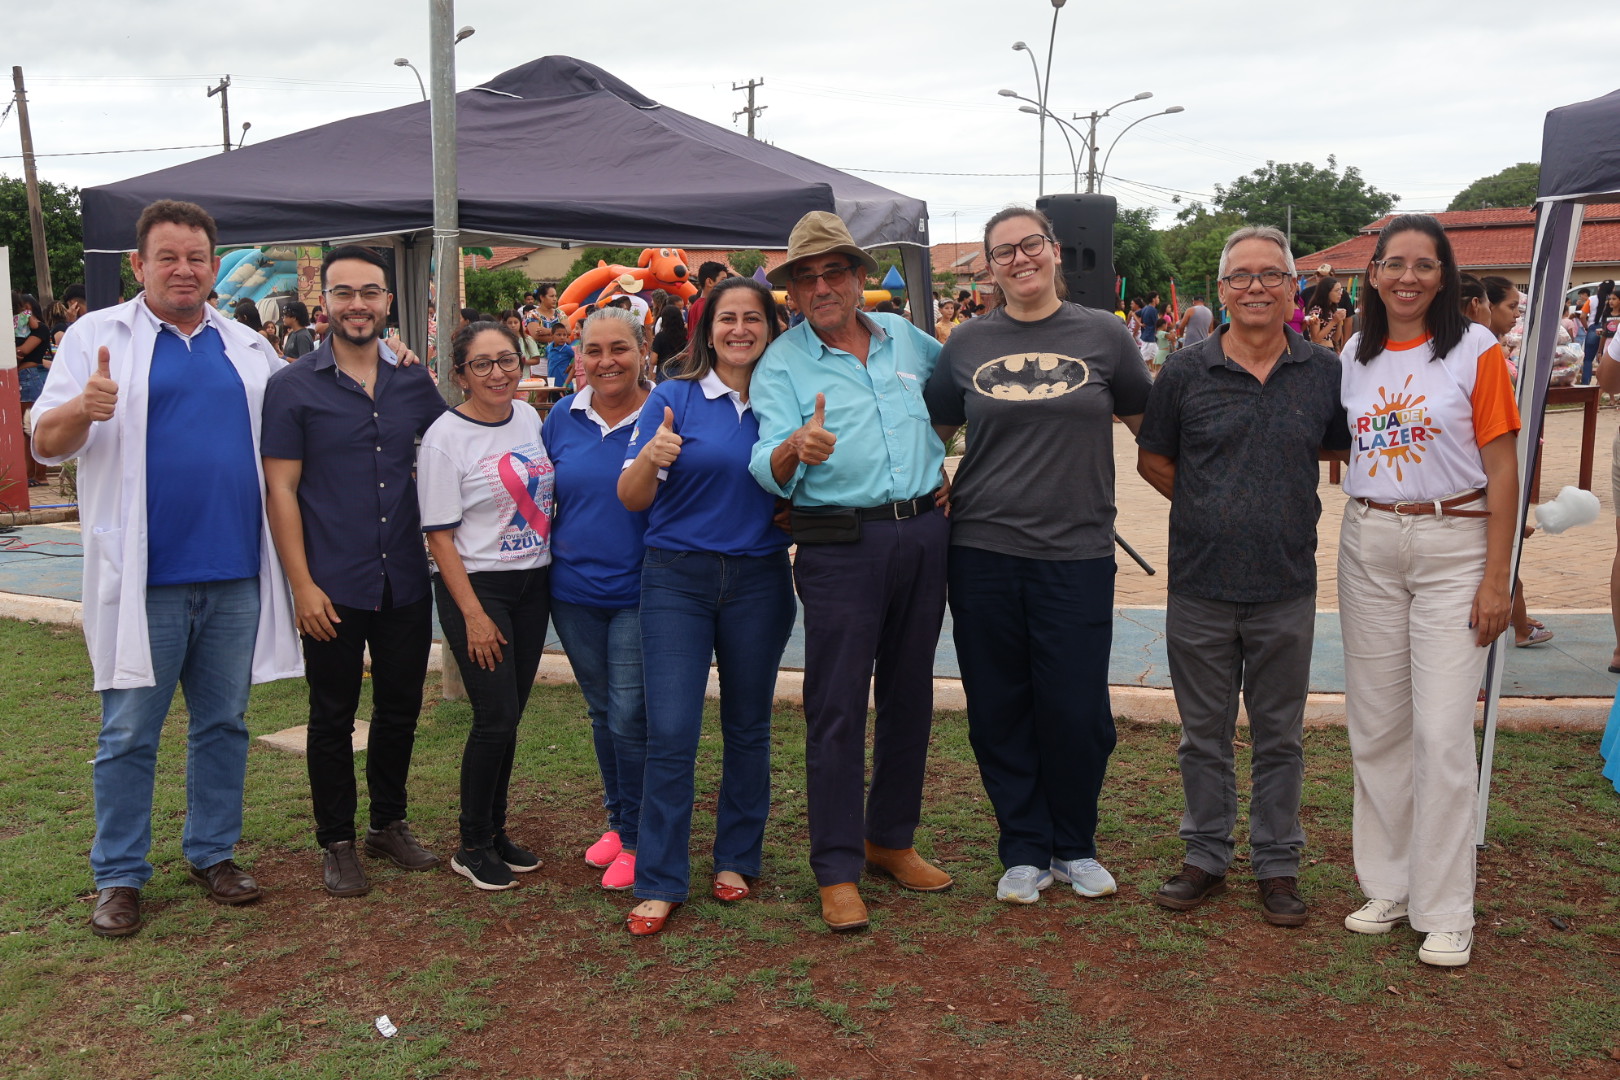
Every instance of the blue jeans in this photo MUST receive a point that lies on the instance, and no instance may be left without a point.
(739, 610)
(604, 649)
(201, 638)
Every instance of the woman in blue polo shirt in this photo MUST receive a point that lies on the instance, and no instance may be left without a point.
(715, 583)
(596, 553)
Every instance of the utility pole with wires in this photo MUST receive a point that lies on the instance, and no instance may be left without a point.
(223, 90)
(36, 215)
(751, 111)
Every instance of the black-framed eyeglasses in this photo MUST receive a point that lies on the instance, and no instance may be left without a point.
(1422, 269)
(482, 366)
(1269, 278)
(834, 276)
(1031, 245)
(342, 294)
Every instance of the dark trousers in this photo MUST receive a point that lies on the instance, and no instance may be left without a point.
(399, 639)
(518, 602)
(1032, 638)
(873, 607)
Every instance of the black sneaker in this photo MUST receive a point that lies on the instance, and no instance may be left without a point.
(483, 868)
(519, 859)
(1280, 902)
(1189, 888)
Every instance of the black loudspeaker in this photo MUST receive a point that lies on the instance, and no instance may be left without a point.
(1084, 225)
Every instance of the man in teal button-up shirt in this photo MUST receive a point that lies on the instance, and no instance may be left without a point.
(842, 424)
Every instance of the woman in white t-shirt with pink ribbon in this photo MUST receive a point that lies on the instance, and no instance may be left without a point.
(1424, 583)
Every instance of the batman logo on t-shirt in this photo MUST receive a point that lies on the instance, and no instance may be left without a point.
(1030, 376)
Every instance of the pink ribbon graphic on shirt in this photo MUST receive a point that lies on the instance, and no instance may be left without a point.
(523, 489)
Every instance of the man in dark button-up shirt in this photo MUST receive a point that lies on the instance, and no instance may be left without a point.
(1231, 436)
(339, 446)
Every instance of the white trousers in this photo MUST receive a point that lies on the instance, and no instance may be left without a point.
(1412, 675)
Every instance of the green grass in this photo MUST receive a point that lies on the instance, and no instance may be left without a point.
(758, 989)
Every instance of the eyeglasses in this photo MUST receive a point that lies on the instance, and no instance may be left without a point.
(1031, 245)
(834, 276)
(1269, 278)
(1422, 269)
(342, 294)
(484, 365)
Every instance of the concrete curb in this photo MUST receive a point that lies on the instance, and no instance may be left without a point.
(1138, 703)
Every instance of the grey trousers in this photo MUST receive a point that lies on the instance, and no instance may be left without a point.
(1217, 648)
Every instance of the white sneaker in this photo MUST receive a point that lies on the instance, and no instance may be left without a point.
(1022, 884)
(1086, 875)
(1376, 917)
(1450, 948)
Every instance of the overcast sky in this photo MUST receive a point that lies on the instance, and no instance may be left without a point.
(1423, 97)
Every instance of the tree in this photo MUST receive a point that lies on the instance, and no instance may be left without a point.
(589, 257)
(1516, 185)
(64, 233)
(746, 261)
(1317, 207)
(1193, 246)
(492, 291)
(1138, 257)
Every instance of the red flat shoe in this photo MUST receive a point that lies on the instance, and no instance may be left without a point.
(645, 925)
(729, 894)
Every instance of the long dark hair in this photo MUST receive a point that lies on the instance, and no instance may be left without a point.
(698, 360)
(1322, 296)
(1444, 320)
(1007, 214)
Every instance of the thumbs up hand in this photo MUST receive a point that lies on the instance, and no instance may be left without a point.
(665, 446)
(813, 443)
(99, 399)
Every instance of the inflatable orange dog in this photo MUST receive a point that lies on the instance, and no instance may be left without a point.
(658, 268)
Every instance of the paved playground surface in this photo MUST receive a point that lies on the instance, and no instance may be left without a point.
(1566, 581)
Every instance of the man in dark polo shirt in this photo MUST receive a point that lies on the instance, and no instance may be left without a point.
(1231, 436)
(339, 444)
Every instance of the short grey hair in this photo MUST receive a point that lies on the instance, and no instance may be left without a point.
(1258, 232)
(637, 328)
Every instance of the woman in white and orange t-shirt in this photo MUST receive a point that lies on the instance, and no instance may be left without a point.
(1423, 581)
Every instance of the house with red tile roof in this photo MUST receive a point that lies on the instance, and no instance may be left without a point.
(1499, 241)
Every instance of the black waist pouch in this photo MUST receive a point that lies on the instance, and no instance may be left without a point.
(825, 526)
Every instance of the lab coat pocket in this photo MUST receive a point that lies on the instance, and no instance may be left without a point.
(107, 555)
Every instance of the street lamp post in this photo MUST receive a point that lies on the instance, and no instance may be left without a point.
(1091, 138)
(1034, 109)
(1133, 123)
(1042, 86)
(403, 62)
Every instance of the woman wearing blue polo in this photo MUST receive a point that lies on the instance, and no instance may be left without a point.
(596, 553)
(715, 582)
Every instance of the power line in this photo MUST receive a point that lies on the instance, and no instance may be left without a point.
(92, 153)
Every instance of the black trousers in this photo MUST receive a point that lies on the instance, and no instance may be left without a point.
(518, 602)
(399, 639)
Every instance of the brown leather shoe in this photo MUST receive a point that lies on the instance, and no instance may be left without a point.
(908, 868)
(341, 870)
(1280, 902)
(395, 843)
(841, 907)
(118, 912)
(227, 883)
(1189, 888)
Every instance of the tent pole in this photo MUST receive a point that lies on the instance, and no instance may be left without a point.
(446, 226)
(1558, 230)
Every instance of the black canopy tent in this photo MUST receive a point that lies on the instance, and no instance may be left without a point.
(1580, 164)
(556, 151)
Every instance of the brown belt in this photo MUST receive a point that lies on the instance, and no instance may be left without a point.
(1436, 507)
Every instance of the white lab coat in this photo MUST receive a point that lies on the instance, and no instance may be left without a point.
(112, 494)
